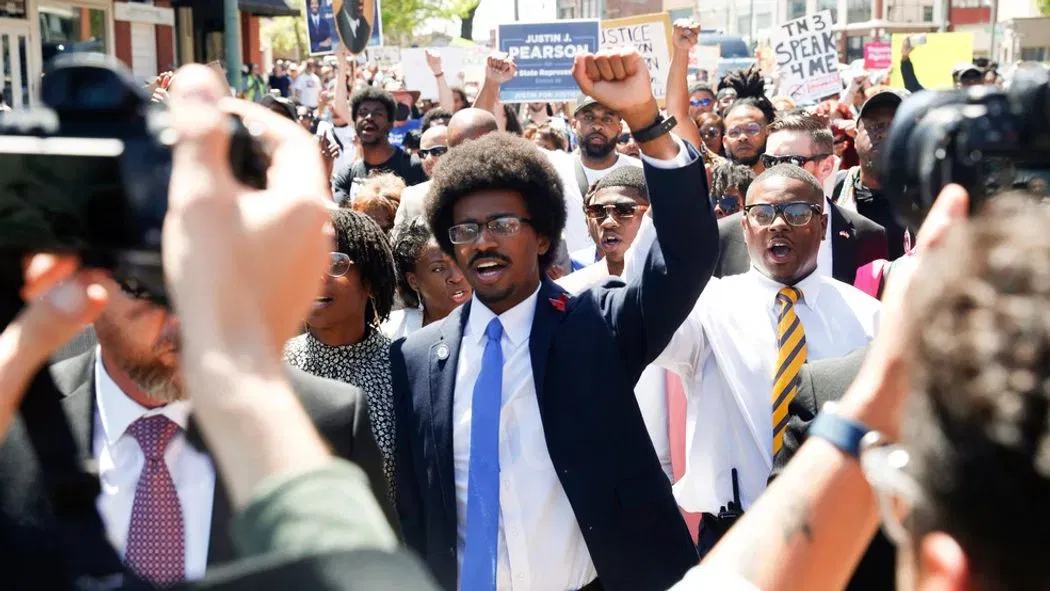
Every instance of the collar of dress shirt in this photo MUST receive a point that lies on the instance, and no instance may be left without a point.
(827, 212)
(517, 322)
(117, 411)
(810, 287)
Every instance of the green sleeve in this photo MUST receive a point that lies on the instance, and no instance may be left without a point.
(325, 509)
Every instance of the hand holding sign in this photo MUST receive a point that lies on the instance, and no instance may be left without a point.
(619, 80)
(500, 68)
(685, 34)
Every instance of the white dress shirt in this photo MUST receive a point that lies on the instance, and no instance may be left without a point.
(540, 543)
(596, 174)
(726, 353)
(651, 389)
(120, 461)
(402, 323)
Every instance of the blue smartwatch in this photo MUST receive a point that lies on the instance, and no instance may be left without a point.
(839, 431)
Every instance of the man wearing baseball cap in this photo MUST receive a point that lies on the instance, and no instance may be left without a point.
(597, 129)
(966, 74)
(860, 188)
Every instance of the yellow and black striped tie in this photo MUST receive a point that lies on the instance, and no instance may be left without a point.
(791, 340)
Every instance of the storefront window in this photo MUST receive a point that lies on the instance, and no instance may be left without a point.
(72, 29)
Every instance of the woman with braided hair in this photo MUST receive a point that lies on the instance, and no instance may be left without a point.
(342, 339)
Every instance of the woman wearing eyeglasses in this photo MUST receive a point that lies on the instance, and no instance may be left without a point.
(712, 129)
(342, 339)
(428, 280)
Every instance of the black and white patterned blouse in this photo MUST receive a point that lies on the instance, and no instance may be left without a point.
(365, 365)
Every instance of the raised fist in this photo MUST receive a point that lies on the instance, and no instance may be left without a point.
(685, 34)
(617, 79)
(500, 67)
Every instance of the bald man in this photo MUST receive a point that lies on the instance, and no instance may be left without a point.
(465, 125)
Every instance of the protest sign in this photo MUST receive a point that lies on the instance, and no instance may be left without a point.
(807, 58)
(878, 55)
(418, 75)
(650, 35)
(934, 58)
(323, 29)
(544, 54)
(384, 57)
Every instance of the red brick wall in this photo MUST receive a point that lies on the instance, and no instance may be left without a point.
(977, 15)
(165, 42)
(122, 43)
(251, 44)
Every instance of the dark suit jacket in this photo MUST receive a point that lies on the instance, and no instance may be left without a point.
(855, 242)
(27, 522)
(355, 43)
(319, 33)
(822, 381)
(586, 358)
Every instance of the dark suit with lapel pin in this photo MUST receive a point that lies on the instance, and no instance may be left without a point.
(587, 352)
(819, 382)
(855, 242)
(27, 524)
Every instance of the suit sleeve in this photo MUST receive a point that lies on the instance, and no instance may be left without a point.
(409, 500)
(664, 286)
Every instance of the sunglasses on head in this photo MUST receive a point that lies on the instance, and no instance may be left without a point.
(436, 151)
(769, 160)
(796, 214)
(727, 203)
(619, 211)
(704, 102)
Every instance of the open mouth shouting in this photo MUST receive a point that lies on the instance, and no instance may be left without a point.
(780, 251)
(610, 241)
(489, 270)
(459, 296)
(368, 130)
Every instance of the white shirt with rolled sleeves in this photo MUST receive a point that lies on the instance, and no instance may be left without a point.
(120, 462)
(541, 547)
(726, 351)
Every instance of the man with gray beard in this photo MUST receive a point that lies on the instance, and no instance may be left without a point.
(163, 507)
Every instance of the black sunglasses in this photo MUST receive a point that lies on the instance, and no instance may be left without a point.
(727, 203)
(796, 214)
(436, 151)
(624, 138)
(769, 161)
(619, 211)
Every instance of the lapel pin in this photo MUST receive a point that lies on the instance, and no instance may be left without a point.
(559, 302)
(442, 352)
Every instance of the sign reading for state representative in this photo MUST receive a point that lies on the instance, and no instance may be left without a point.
(807, 58)
(544, 53)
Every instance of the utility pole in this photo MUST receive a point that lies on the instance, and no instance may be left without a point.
(515, 10)
(233, 43)
(995, 31)
(751, 34)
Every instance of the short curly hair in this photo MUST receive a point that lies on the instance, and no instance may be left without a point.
(410, 237)
(978, 429)
(373, 94)
(503, 162)
(432, 114)
(360, 238)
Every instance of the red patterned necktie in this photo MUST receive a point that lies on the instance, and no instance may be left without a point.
(156, 548)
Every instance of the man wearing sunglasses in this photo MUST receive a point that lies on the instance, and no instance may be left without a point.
(701, 100)
(850, 239)
(741, 350)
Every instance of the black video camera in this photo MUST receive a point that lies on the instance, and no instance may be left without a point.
(88, 173)
(983, 138)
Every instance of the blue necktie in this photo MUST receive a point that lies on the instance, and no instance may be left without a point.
(482, 545)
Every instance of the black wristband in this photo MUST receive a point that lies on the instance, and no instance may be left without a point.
(657, 129)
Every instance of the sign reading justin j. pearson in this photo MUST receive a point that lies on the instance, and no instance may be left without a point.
(650, 35)
(544, 53)
(807, 58)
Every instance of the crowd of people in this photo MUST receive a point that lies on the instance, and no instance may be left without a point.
(604, 345)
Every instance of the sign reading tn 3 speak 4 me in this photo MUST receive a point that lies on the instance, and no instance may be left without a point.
(807, 58)
(544, 53)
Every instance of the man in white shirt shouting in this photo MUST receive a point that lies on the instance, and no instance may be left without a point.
(740, 350)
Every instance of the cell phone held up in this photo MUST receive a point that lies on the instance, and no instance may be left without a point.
(88, 173)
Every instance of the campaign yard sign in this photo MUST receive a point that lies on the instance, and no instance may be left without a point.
(544, 53)
(807, 58)
(650, 35)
